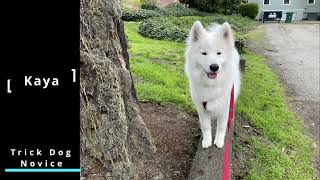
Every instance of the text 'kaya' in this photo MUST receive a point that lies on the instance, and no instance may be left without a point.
(42, 82)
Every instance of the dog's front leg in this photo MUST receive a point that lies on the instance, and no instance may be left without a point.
(222, 121)
(205, 124)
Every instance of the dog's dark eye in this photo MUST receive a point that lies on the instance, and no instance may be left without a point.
(218, 53)
(204, 53)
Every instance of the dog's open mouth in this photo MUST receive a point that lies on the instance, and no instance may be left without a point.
(212, 75)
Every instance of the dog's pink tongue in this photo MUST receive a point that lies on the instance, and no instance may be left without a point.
(212, 75)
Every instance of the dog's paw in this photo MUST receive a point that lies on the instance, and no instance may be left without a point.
(206, 143)
(218, 142)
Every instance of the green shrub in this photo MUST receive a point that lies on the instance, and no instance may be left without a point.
(162, 28)
(149, 6)
(249, 9)
(178, 9)
(177, 28)
(214, 6)
(148, 1)
(132, 15)
(174, 9)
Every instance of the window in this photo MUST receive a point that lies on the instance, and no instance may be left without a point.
(311, 1)
(266, 2)
(287, 2)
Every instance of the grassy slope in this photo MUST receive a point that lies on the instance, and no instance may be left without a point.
(292, 151)
(157, 67)
(283, 151)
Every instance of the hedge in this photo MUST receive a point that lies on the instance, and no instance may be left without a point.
(249, 9)
(177, 28)
(214, 6)
(162, 29)
(174, 9)
(149, 6)
(132, 15)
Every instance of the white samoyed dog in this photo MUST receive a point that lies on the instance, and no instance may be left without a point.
(212, 66)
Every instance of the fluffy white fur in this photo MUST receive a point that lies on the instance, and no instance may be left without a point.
(202, 51)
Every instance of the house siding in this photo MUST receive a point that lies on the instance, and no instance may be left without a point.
(300, 8)
(312, 7)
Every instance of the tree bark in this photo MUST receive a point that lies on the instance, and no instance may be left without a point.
(114, 139)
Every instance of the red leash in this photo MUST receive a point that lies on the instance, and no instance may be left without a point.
(226, 163)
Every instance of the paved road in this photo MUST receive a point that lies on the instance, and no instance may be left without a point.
(293, 51)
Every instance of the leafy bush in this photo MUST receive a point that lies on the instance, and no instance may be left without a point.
(132, 15)
(148, 1)
(174, 9)
(213, 6)
(249, 9)
(162, 28)
(149, 6)
(177, 28)
(178, 9)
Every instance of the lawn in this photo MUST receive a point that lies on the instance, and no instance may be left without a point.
(283, 151)
(157, 68)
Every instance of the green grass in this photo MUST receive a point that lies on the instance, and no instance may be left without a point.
(256, 35)
(136, 1)
(282, 151)
(157, 67)
(132, 4)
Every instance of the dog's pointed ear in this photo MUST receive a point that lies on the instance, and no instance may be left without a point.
(227, 32)
(196, 32)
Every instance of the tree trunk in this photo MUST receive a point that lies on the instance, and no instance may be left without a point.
(114, 139)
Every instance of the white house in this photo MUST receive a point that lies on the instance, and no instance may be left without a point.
(302, 9)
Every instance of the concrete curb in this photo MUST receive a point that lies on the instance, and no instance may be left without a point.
(207, 163)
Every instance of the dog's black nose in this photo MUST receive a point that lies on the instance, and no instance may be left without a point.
(214, 67)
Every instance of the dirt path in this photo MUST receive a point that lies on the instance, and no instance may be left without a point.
(176, 136)
(293, 52)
